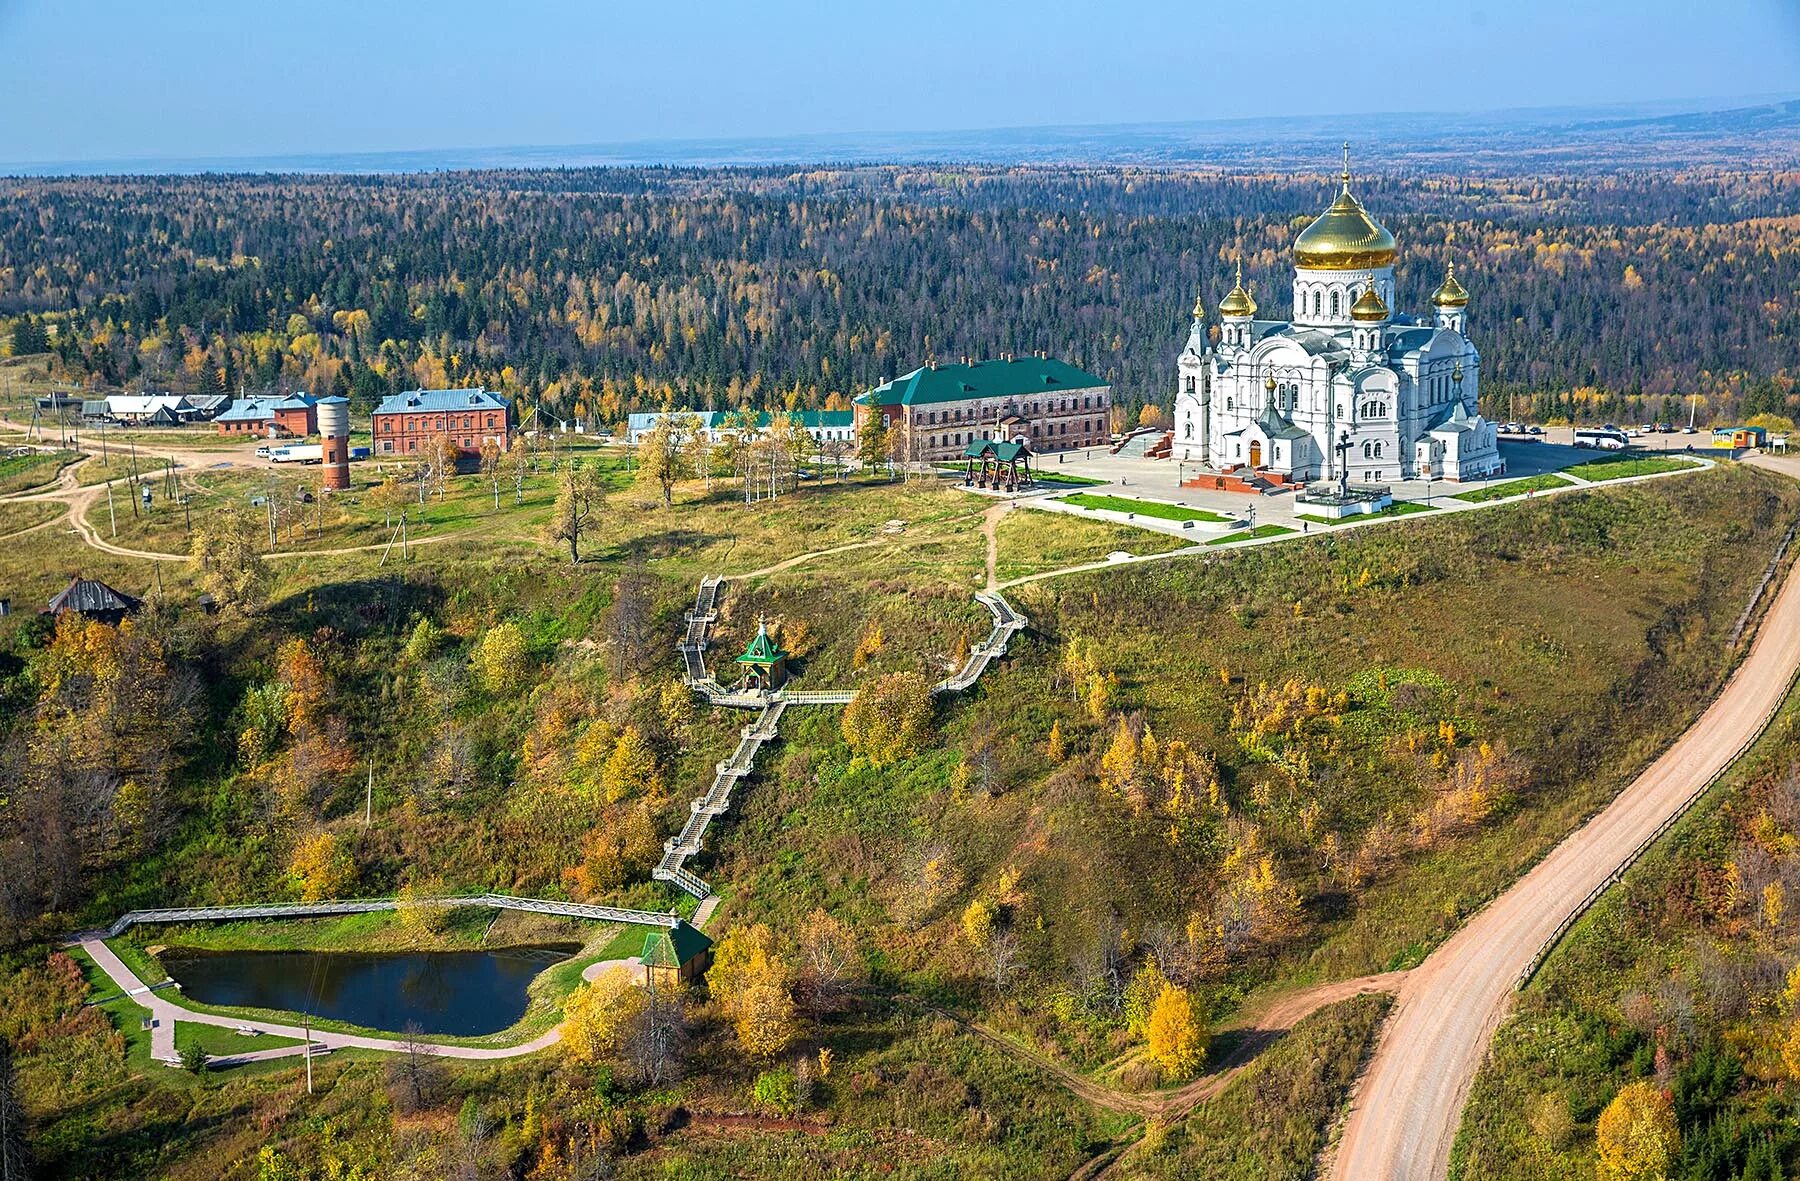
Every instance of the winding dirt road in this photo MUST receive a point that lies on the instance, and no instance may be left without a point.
(1404, 1117)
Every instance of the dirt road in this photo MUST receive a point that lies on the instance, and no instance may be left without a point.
(1405, 1115)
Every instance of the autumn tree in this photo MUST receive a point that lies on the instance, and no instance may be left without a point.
(889, 720)
(515, 465)
(322, 867)
(223, 551)
(598, 1016)
(413, 1074)
(501, 659)
(578, 497)
(15, 1150)
(1176, 1033)
(491, 463)
(831, 965)
(661, 463)
(631, 769)
(1636, 1137)
(872, 440)
(754, 987)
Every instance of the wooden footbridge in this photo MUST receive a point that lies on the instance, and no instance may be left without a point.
(700, 618)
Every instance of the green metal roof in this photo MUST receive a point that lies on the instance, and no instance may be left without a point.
(1004, 450)
(674, 947)
(763, 649)
(981, 379)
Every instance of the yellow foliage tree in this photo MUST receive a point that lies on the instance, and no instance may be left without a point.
(1056, 749)
(1177, 1033)
(978, 923)
(754, 987)
(322, 867)
(1790, 1052)
(890, 720)
(630, 769)
(765, 1021)
(597, 1015)
(501, 658)
(1636, 1136)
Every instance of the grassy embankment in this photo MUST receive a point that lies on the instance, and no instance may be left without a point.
(1619, 467)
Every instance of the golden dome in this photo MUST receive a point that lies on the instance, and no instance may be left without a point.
(1344, 237)
(1238, 303)
(1199, 307)
(1369, 307)
(1450, 293)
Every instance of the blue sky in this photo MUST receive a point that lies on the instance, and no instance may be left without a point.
(102, 79)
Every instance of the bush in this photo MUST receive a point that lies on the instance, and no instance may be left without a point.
(777, 1091)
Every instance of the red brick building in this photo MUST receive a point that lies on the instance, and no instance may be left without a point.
(295, 414)
(405, 423)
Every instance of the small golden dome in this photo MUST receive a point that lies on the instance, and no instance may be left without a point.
(1369, 308)
(1269, 383)
(1450, 293)
(1344, 237)
(1199, 307)
(1238, 303)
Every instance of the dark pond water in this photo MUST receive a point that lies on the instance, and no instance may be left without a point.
(466, 993)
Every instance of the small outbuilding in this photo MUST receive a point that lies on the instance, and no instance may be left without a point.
(93, 599)
(764, 661)
(680, 951)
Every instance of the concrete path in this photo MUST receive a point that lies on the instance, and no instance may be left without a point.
(1406, 1113)
(165, 1013)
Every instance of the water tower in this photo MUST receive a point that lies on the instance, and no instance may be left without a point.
(334, 432)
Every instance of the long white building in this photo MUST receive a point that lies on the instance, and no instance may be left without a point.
(1344, 385)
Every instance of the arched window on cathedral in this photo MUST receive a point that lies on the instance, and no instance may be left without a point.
(1228, 404)
(1334, 303)
(1378, 451)
(1368, 451)
(1188, 429)
(1315, 303)
(1190, 385)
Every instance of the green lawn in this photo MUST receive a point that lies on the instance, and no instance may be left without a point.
(1144, 508)
(1032, 542)
(1251, 534)
(1400, 508)
(1044, 477)
(1619, 467)
(1539, 483)
(218, 1041)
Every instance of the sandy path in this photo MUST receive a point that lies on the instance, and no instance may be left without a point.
(1405, 1115)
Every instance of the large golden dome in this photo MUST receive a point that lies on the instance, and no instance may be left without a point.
(1344, 237)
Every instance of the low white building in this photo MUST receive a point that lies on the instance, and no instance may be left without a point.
(824, 426)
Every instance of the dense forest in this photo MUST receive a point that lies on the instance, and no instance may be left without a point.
(595, 292)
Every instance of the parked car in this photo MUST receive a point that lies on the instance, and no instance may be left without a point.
(1534, 430)
(1663, 428)
(264, 452)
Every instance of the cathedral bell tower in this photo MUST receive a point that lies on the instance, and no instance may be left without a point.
(1237, 309)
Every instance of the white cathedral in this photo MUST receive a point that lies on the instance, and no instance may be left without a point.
(1346, 390)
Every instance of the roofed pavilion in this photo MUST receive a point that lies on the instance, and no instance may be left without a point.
(764, 661)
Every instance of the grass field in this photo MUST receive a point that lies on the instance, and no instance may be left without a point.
(1618, 467)
(1545, 482)
(1142, 508)
(18, 515)
(1032, 542)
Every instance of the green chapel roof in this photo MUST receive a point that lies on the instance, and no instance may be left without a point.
(673, 947)
(1004, 450)
(763, 649)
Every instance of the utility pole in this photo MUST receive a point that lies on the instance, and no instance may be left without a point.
(369, 796)
(110, 514)
(308, 1053)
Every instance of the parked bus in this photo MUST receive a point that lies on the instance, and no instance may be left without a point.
(1601, 438)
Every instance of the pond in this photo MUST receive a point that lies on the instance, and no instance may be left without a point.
(460, 993)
